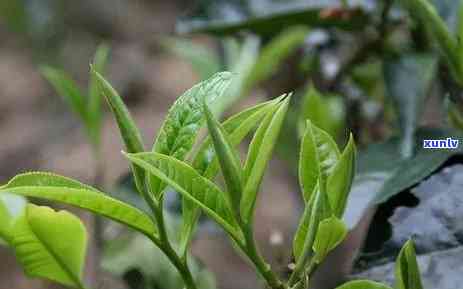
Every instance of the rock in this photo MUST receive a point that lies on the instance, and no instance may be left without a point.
(435, 223)
(440, 269)
(436, 227)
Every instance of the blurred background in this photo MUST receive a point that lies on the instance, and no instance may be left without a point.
(361, 65)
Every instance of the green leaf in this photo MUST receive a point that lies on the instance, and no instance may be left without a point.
(51, 245)
(57, 188)
(341, 178)
(325, 111)
(427, 15)
(318, 158)
(94, 96)
(188, 182)
(455, 116)
(316, 210)
(273, 54)
(331, 232)
(260, 152)
(184, 119)
(205, 162)
(129, 131)
(11, 207)
(363, 284)
(228, 159)
(202, 59)
(408, 79)
(68, 90)
(407, 270)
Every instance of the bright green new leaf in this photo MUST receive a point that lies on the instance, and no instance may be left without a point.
(341, 178)
(260, 153)
(331, 232)
(57, 188)
(184, 119)
(205, 162)
(129, 131)
(363, 284)
(94, 96)
(228, 159)
(51, 245)
(318, 158)
(67, 89)
(11, 208)
(316, 210)
(5, 222)
(407, 271)
(188, 182)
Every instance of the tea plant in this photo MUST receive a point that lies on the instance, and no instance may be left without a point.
(52, 244)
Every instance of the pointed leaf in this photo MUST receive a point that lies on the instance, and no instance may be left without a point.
(57, 188)
(340, 180)
(331, 232)
(363, 284)
(186, 181)
(228, 159)
(315, 211)
(184, 119)
(319, 155)
(94, 96)
(51, 245)
(206, 163)
(407, 270)
(67, 89)
(129, 131)
(260, 152)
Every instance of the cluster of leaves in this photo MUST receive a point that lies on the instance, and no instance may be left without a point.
(52, 244)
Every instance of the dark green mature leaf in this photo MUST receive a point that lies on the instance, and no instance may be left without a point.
(270, 18)
(51, 245)
(184, 119)
(406, 270)
(260, 153)
(129, 131)
(331, 232)
(94, 96)
(455, 116)
(228, 159)
(408, 79)
(363, 284)
(68, 90)
(206, 163)
(383, 173)
(341, 178)
(57, 188)
(188, 182)
(274, 53)
(319, 155)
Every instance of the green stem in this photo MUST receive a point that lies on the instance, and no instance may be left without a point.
(164, 244)
(264, 269)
